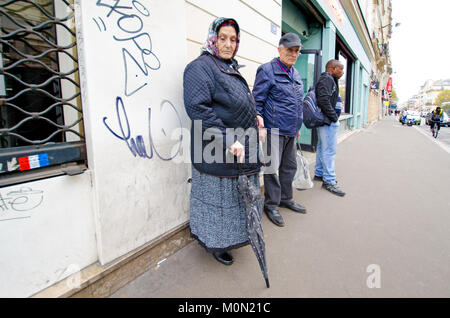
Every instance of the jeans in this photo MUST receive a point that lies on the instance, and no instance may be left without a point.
(278, 187)
(326, 152)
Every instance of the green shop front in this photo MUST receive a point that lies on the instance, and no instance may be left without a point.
(327, 33)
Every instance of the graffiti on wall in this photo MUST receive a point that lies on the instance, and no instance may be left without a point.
(19, 204)
(135, 44)
(138, 60)
(137, 145)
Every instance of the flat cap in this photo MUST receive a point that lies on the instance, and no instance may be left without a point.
(290, 40)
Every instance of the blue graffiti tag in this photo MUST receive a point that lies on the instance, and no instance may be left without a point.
(137, 145)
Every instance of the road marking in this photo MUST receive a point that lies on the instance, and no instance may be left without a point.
(440, 144)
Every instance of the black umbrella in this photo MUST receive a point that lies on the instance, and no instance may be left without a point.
(250, 196)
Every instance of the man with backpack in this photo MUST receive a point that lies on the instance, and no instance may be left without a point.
(327, 96)
(278, 93)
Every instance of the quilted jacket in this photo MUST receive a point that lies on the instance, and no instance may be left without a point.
(216, 94)
(279, 98)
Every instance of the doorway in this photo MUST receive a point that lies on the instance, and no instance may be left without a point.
(301, 17)
(309, 66)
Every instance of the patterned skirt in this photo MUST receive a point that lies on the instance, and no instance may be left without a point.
(217, 215)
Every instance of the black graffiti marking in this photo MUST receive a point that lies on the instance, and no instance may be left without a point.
(26, 199)
(114, 8)
(147, 14)
(103, 23)
(25, 217)
(132, 24)
(140, 24)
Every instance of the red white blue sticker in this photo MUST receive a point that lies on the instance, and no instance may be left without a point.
(33, 162)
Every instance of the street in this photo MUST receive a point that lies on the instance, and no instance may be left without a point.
(443, 136)
(388, 237)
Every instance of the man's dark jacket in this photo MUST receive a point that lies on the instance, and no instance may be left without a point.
(279, 98)
(327, 94)
(216, 94)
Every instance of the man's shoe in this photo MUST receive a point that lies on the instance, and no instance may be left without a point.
(333, 188)
(291, 205)
(274, 216)
(224, 257)
(317, 178)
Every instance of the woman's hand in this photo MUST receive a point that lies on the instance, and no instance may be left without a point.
(260, 121)
(238, 150)
(262, 134)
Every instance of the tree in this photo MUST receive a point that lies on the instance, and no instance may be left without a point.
(443, 96)
(394, 98)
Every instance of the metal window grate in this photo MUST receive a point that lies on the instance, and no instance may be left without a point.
(40, 99)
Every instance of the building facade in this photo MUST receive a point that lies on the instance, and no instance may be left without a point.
(94, 157)
(425, 99)
(378, 17)
(429, 92)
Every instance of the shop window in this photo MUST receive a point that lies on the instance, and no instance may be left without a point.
(345, 83)
(343, 79)
(41, 119)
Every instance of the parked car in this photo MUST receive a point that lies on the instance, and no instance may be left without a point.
(411, 115)
(444, 122)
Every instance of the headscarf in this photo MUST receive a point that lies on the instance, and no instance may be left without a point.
(210, 44)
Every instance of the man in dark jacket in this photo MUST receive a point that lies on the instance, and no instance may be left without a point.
(278, 92)
(327, 94)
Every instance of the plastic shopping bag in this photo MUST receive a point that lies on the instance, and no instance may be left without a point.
(302, 178)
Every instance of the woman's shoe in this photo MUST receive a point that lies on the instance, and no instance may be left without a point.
(224, 257)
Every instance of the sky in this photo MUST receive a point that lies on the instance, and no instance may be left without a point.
(420, 46)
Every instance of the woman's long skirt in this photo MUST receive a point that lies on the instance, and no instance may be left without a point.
(217, 217)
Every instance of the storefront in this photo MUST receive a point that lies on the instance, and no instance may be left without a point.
(328, 33)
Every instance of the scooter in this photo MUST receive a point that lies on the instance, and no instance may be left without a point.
(403, 119)
(409, 122)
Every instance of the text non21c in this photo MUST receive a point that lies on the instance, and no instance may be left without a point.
(229, 307)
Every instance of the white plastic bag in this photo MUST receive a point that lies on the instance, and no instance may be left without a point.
(302, 178)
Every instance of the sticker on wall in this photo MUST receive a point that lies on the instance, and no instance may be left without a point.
(33, 162)
(273, 28)
(12, 165)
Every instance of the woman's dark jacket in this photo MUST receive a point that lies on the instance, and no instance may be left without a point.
(216, 94)
(327, 94)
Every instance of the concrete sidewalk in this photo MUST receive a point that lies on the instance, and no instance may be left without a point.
(396, 216)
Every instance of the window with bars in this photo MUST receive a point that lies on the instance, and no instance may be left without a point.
(41, 118)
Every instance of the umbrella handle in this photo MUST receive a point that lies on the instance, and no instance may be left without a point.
(241, 171)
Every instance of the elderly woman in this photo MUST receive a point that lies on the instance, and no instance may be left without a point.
(217, 99)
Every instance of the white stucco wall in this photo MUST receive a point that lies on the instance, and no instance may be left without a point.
(46, 233)
(257, 19)
(133, 58)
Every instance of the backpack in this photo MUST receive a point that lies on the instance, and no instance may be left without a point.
(312, 115)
